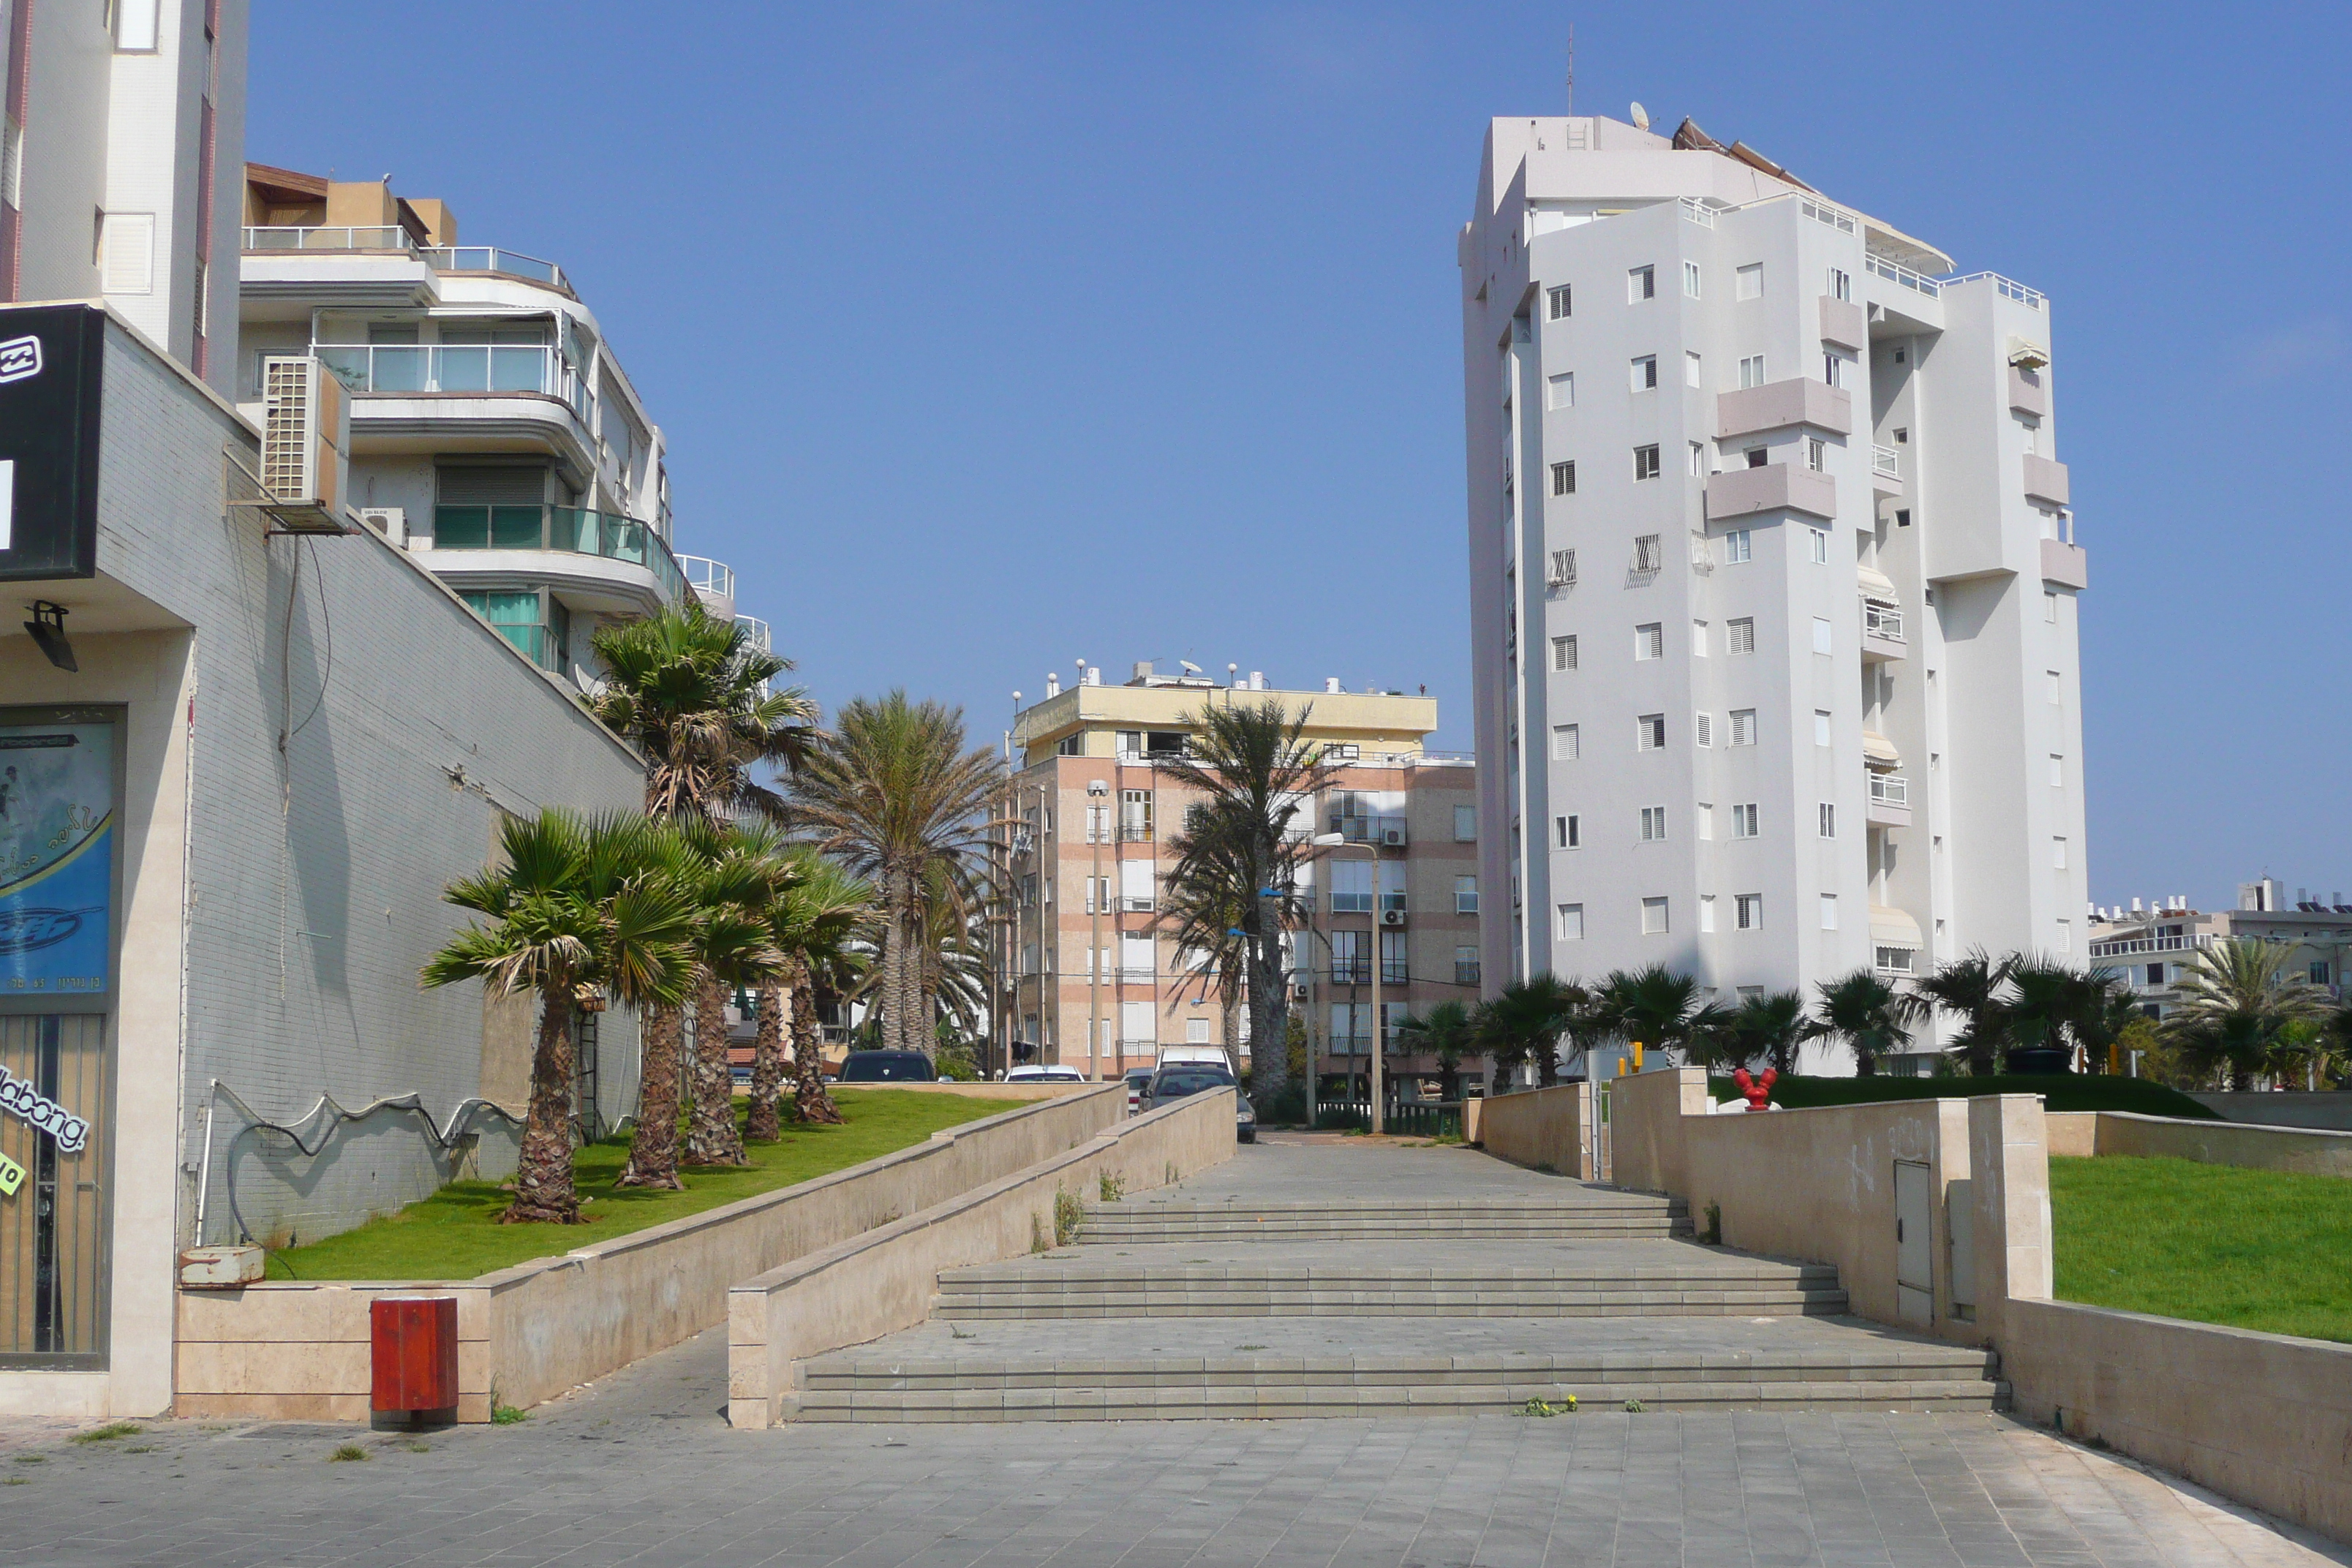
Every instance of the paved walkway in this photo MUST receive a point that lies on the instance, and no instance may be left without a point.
(641, 1469)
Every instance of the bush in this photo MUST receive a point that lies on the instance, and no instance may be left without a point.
(2063, 1091)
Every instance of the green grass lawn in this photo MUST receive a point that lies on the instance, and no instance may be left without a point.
(2063, 1091)
(2219, 1244)
(455, 1234)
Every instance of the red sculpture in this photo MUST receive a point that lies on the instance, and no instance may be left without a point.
(1758, 1090)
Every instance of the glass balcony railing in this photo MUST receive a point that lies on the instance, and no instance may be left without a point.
(392, 236)
(411, 369)
(336, 237)
(572, 530)
(1882, 621)
(709, 576)
(491, 259)
(1890, 789)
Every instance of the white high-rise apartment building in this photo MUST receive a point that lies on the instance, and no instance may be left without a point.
(1773, 576)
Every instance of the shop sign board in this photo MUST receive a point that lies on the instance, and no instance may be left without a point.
(50, 358)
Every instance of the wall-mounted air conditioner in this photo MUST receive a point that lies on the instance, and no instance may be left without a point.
(305, 435)
(1393, 837)
(390, 523)
(1391, 917)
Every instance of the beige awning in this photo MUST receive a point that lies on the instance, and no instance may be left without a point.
(1876, 584)
(1879, 751)
(1893, 927)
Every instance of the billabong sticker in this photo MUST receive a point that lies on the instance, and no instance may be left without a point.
(20, 359)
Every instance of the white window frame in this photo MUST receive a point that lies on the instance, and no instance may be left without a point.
(1566, 832)
(1738, 547)
(1654, 825)
(1462, 814)
(1664, 925)
(1640, 283)
(1748, 282)
(1643, 372)
(1823, 734)
(1568, 923)
(1694, 369)
(1559, 303)
(1824, 636)
(1748, 911)
(1706, 914)
(1828, 908)
(1746, 820)
(1690, 280)
(2057, 771)
(1751, 371)
(1826, 822)
(1743, 726)
(1466, 895)
(1817, 454)
(1563, 478)
(1646, 462)
(1841, 285)
(1739, 634)
(1649, 641)
(1818, 545)
(1650, 733)
(1699, 639)
(1567, 742)
(1699, 459)
(1563, 655)
(1560, 391)
(1703, 730)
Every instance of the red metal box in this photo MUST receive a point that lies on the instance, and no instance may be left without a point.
(415, 1353)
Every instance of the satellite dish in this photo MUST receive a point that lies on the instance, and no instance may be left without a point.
(1190, 667)
(1641, 118)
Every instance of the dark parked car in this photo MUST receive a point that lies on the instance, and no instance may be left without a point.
(1175, 1082)
(1138, 1084)
(886, 1067)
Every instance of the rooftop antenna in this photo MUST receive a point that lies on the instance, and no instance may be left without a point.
(1571, 69)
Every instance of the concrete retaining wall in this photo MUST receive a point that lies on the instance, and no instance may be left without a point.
(2329, 1109)
(1550, 1127)
(2263, 1419)
(883, 1280)
(290, 1350)
(2309, 1151)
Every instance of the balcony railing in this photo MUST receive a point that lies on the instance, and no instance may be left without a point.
(1134, 906)
(709, 576)
(1370, 829)
(570, 530)
(491, 259)
(1895, 272)
(2030, 299)
(1698, 211)
(755, 631)
(538, 644)
(1135, 833)
(1882, 621)
(395, 370)
(392, 236)
(1890, 789)
(1466, 974)
(1883, 460)
(2125, 947)
(1351, 972)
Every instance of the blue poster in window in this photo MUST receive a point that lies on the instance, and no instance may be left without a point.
(57, 858)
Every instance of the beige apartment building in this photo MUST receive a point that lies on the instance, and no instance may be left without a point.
(2153, 947)
(1098, 984)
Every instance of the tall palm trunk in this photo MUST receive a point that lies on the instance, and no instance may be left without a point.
(711, 1136)
(811, 1102)
(543, 1189)
(653, 1153)
(903, 1024)
(763, 1125)
(1269, 1006)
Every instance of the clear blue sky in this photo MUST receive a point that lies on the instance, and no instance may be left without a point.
(990, 337)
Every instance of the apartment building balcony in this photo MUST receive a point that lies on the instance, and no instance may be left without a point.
(434, 398)
(1899, 301)
(713, 583)
(2028, 393)
(1135, 833)
(1890, 800)
(1886, 471)
(1845, 325)
(2045, 481)
(2065, 565)
(1881, 632)
(1387, 831)
(1777, 404)
(395, 241)
(1776, 487)
(755, 632)
(597, 559)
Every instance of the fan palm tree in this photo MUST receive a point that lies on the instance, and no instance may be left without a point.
(693, 694)
(742, 873)
(813, 924)
(1969, 989)
(1447, 1033)
(1653, 1006)
(1524, 1021)
(894, 794)
(1769, 1029)
(1868, 1016)
(2237, 999)
(1254, 773)
(579, 910)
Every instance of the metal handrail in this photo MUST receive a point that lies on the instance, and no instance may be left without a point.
(2124, 947)
(1890, 789)
(1895, 272)
(710, 576)
(491, 258)
(1886, 460)
(327, 236)
(1878, 621)
(1698, 212)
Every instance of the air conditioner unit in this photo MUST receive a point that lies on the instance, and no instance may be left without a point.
(305, 433)
(389, 522)
(1392, 836)
(1391, 917)
(1299, 993)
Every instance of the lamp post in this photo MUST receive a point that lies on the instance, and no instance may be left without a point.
(1372, 852)
(1097, 790)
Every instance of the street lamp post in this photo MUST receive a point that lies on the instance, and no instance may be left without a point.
(1372, 853)
(1097, 790)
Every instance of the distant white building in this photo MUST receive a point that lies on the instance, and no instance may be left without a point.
(2152, 947)
(1773, 576)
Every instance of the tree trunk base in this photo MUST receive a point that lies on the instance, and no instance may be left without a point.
(765, 1126)
(521, 1213)
(822, 1113)
(667, 1181)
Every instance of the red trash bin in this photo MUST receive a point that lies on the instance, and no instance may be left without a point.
(413, 1345)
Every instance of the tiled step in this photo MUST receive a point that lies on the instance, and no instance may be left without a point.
(1627, 1216)
(1747, 1286)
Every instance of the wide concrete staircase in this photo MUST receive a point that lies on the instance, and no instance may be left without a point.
(1178, 1307)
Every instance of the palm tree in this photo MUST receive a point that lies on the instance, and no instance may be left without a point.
(1769, 1029)
(1205, 918)
(1524, 1021)
(895, 794)
(1869, 1017)
(813, 924)
(1653, 1006)
(2237, 999)
(579, 910)
(1255, 772)
(1447, 1033)
(742, 873)
(692, 693)
(1969, 988)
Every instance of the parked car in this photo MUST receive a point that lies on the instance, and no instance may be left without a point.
(1138, 1083)
(886, 1067)
(1050, 1072)
(1179, 1080)
(1245, 1118)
